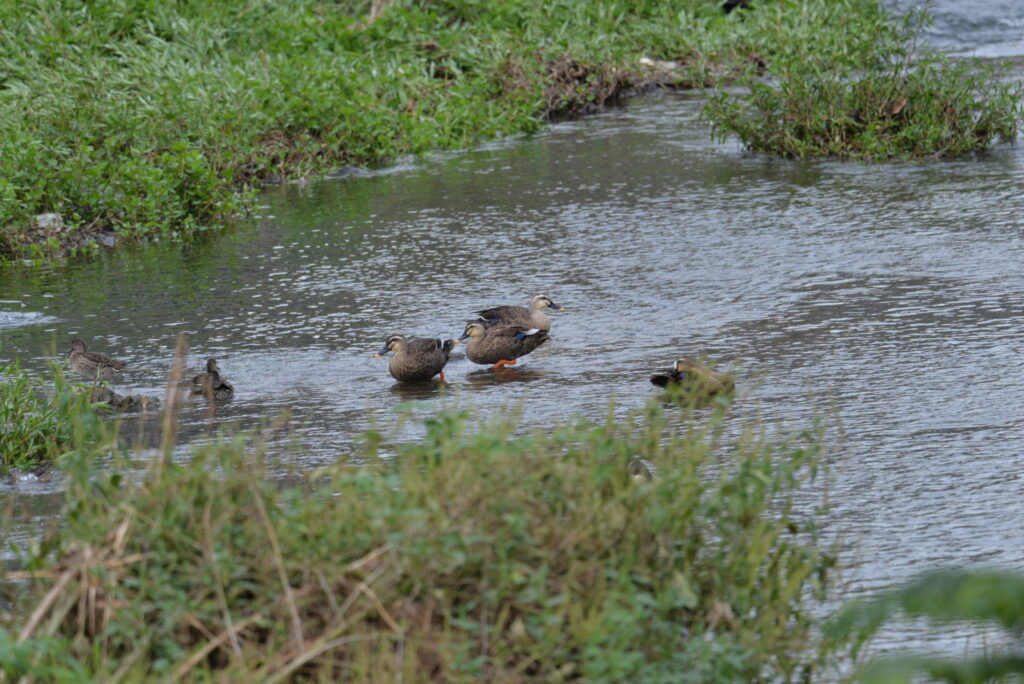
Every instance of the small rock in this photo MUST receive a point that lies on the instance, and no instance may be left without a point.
(50, 222)
(108, 239)
(39, 473)
(347, 171)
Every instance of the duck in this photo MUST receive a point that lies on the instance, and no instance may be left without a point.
(500, 345)
(418, 359)
(530, 316)
(691, 373)
(639, 469)
(212, 384)
(93, 365)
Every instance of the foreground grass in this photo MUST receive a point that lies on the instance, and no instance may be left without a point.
(139, 119)
(943, 597)
(477, 553)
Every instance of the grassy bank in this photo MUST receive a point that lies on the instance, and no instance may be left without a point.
(477, 553)
(138, 119)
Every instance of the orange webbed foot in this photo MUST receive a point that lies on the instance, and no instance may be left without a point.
(503, 362)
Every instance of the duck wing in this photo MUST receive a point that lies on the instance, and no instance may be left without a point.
(103, 360)
(506, 314)
(423, 346)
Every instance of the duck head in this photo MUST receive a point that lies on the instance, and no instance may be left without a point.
(473, 329)
(542, 301)
(395, 343)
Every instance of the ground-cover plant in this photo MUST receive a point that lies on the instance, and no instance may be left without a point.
(885, 96)
(942, 596)
(479, 552)
(37, 425)
(157, 119)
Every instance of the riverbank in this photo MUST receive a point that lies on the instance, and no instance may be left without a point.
(128, 123)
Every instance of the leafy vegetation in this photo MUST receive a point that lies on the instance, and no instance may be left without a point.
(36, 428)
(156, 120)
(473, 554)
(884, 97)
(942, 597)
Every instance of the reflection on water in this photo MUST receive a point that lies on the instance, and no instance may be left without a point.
(893, 291)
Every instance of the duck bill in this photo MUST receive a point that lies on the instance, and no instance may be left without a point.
(382, 352)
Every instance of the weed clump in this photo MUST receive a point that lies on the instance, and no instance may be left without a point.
(887, 98)
(36, 427)
(473, 554)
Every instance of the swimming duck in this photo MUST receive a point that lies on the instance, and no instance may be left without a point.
(418, 359)
(500, 345)
(530, 316)
(691, 373)
(211, 384)
(92, 365)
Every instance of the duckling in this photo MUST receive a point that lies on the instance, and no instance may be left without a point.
(530, 316)
(639, 469)
(92, 365)
(500, 344)
(418, 359)
(211, 384)
(690, 372)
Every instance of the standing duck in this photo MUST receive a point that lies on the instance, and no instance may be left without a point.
(530, 316)
(418, 359)
(212, 384)
(500, 345)
(92, 365)
(690, 373)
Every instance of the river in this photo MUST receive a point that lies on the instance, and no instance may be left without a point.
(893, 293)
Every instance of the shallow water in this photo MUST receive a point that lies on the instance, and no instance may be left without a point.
(892, 291)
(985, 28)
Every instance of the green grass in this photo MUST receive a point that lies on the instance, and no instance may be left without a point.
(37, 426)
(156, 120)
(479, 552)
(886, 98)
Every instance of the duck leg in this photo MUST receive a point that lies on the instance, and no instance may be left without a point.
(503, 362)
(442, 377)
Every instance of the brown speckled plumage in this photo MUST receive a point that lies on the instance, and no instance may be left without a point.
(489, 345)
(531, 316)
(93, 365)
(212, 384)
(417, 359)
